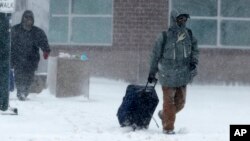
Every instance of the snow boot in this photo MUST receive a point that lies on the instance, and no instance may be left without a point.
(160, 114)
(21, 96)
(169, 132)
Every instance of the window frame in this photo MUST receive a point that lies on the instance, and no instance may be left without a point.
(70, 17)
(219, 18)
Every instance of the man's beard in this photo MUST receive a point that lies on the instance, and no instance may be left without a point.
(182, 25)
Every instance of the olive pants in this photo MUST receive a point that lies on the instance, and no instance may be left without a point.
(173, 101)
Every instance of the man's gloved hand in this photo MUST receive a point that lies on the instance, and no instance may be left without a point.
(193, 73)
(193, 69)
(45, 55)
(151, 77)
(192, 66)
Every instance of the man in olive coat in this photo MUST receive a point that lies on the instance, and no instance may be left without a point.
(175, 59)
(26, 40)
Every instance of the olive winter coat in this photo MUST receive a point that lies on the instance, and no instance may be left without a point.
(173, 64)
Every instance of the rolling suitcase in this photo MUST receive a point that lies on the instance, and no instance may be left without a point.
(138, 106)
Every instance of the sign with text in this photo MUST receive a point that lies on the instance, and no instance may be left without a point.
(239, 132)
(7, 6)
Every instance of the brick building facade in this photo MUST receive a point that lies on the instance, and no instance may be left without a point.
(135, 27)
(136, 24)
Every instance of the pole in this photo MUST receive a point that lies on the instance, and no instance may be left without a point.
(4, 60)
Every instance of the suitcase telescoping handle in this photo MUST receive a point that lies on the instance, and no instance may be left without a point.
(154, 81)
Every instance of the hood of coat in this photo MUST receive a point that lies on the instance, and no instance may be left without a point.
(27, 20)
(173, 18)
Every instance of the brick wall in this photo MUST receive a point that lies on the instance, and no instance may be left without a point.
(224, 66)
(136, 23)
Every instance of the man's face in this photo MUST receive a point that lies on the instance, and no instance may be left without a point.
(181, 20)
(28, 21)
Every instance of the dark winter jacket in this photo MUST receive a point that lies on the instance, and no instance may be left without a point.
(25, 46)
(180, 50)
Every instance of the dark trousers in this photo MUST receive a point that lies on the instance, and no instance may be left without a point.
(23, 80)
(11, 81)
(173, 101)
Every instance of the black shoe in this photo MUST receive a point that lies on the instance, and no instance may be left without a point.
(160, 114)
(21, 97)
(169, 132)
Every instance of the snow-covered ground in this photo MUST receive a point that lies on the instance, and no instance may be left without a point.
(208, 113)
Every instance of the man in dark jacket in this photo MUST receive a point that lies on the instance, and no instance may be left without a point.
(175, 59)
(26, 39)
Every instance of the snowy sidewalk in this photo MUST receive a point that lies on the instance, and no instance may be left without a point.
(208, 113)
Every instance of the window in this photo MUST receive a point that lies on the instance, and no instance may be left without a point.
(218, 23)
(235, 33)
(81, 22)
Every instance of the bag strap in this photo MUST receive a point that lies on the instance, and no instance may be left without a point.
(164, 41)
(190, 33)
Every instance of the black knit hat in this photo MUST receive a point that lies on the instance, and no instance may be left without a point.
(183, 15)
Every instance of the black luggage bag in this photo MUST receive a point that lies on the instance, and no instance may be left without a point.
(138, 106)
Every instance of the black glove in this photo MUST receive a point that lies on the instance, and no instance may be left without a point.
(193, 73)
(193, 66)
(151, 77)
(193, 69)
